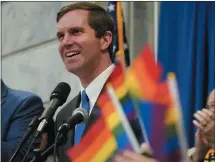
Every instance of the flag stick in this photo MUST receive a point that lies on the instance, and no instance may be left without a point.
(123, 119)
(175, 97)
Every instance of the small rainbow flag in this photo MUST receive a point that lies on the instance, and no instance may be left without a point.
(114, 133)
(93, 147)
(114, 120)
(118, 83)
(110, 137)
(157, 109)
(143, 76)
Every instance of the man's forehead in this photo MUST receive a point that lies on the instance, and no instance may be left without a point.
(74, 18)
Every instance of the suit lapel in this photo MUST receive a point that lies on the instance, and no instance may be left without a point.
(76, 101)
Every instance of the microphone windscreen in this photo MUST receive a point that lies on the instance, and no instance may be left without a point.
(83, 112)
(61, 92)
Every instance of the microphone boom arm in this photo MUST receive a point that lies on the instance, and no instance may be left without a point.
(33, 124)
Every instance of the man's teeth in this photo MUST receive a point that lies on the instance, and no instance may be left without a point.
(72, 54)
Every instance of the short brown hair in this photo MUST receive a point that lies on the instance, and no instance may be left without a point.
(99, 19)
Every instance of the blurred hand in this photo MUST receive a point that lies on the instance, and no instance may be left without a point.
(145, 148)
(206, 127)
(43, 143)
(204, 140)
(130, 156)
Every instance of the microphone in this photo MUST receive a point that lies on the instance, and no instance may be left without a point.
(58, 97)
(79, 115)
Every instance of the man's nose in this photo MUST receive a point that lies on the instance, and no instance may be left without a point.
(67, 41)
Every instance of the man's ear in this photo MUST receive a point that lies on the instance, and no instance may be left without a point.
(106, 40)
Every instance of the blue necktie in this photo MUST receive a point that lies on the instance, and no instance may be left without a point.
(80, 127)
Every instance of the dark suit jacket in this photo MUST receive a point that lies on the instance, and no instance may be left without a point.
(17, 110)
(66, 112)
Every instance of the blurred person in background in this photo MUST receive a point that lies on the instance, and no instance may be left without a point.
(18, 108)
(205, 135)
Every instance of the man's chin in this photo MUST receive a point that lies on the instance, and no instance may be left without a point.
(74, 70)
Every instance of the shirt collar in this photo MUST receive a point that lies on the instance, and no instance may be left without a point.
(94, 88)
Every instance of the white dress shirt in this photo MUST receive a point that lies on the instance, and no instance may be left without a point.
(94, 88)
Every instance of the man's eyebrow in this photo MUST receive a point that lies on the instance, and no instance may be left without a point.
(76, 28)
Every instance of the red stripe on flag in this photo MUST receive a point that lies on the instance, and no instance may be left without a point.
(117, 77)
(88, 139)
(105, 104)
(150, 64)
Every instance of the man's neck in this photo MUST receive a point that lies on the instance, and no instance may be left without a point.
(90, 76)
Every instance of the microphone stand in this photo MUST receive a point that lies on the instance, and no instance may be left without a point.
(39, 157)
(31, 127)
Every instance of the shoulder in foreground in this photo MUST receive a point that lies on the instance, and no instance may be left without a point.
(23, 95)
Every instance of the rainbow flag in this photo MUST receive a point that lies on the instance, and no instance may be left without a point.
(118, 83)
(143, 76)
(156, 107)
(113, 130)
(114, 121)
(110, 136)
(94, 148)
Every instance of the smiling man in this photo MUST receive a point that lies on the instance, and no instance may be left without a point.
(84, 38)
(84, 31)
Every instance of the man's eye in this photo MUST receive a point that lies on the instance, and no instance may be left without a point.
(60, 36)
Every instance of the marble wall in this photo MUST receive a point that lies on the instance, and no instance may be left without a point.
(143, 31)
(30, 60)
(25, 24)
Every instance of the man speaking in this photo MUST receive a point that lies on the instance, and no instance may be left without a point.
(84, 32)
